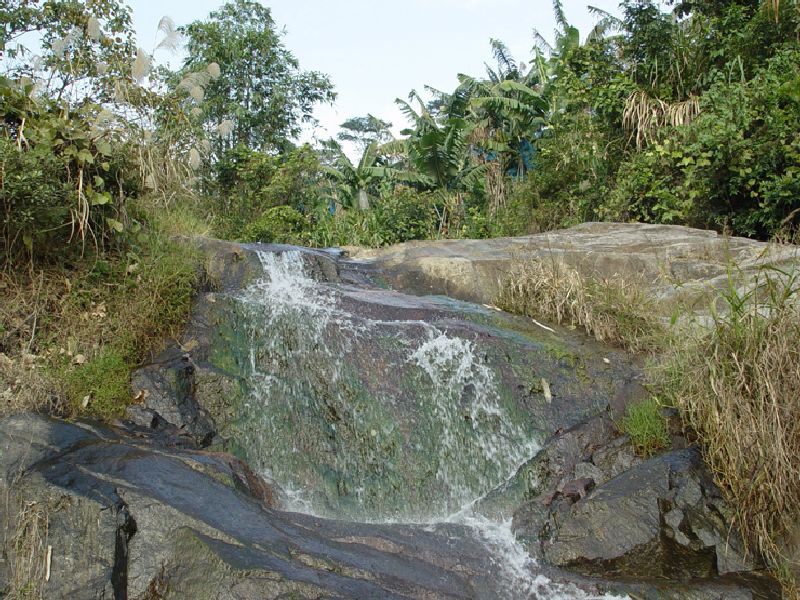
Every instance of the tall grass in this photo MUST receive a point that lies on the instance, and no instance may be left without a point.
(70, 333)
(611, 310)
(738, 387)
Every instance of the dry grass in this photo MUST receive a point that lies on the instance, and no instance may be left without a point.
(613, 311)
(738, 387)
(69, 334)
(29, 552)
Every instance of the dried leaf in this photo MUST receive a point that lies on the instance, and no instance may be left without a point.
(548, 395)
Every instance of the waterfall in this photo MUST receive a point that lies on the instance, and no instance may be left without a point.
(376, 419)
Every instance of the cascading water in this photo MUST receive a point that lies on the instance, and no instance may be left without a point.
(381, 419)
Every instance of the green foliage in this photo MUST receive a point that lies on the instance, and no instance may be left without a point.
(398, 216)
(646, 427)
(278, 225)
(737, 165)
(61, 178)
(260, 90)
(250, 182)
(82, 43)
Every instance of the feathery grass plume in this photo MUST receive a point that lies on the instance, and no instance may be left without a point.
(59, 47)
(205, 145)
(194, 159)
(141, 66)
(172, 37)
(93, 29)
(196, 111)
(225, 129)
(197, 93)
(214, 70)
(119, 92)
(102, 68)
(193, 80)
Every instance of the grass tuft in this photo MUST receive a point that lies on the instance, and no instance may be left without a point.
(738, 387)
(613, 311)
(646, 427)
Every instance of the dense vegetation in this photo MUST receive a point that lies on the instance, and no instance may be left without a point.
(685, 117)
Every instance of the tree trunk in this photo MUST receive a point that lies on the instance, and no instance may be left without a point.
(363, 200)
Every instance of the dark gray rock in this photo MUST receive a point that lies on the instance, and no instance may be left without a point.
(662, 518)
(129, 518)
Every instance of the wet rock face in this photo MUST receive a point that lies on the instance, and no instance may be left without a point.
(130, 515)
(374, 402)
(597, 509)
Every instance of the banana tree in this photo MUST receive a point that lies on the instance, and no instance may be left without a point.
(355, 181)
(439, 154)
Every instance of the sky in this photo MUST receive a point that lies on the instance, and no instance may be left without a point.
(378, 50)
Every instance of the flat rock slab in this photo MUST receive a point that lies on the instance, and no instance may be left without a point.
(678, 263)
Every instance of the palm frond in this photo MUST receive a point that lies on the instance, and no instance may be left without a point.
(561, 17)
(504, 58)
(540, 44)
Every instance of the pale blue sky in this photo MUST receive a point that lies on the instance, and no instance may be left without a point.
(376, 51)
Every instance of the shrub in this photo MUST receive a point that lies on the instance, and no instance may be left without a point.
(278, 225)
(400, 215)
(61, 179)
(737, 165)
(249, 182)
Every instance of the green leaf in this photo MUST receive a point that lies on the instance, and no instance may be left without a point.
(103, 147)
(100, 198)
(115, 225)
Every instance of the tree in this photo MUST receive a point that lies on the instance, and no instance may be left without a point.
(364, 131)
(256, 95)
(86, 47)
(355, 181)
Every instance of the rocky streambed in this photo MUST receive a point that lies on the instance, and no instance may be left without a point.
(320, 432)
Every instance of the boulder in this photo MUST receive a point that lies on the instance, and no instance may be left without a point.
(663, 518)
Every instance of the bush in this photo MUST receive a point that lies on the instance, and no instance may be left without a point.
(248, 183)
(278, 225)
(398, 216)
(736, 166)
(57, 175)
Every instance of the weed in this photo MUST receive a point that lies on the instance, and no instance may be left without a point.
(646, 427)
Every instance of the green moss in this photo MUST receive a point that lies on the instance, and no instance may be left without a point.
(101, 385)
